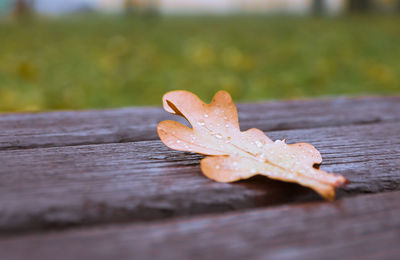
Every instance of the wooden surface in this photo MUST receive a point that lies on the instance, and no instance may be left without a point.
(138, 124)
(106, 178)
(363, 227)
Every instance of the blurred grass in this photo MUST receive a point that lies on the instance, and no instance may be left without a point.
(101, 62)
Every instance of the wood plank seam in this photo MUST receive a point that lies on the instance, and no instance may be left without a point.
(12, 148)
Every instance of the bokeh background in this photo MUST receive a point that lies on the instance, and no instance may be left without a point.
(79, 54)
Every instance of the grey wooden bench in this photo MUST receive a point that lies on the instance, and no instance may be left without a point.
(101, 185)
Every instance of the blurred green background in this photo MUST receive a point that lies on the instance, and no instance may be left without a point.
(104, 61)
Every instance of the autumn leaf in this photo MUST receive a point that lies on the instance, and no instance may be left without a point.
(236, 155)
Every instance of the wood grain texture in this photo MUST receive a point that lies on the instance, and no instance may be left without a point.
(363, 227)
(135, 124)
(106, 183)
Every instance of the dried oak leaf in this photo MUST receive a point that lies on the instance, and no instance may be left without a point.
(236, 155)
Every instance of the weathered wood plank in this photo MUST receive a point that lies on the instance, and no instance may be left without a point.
(133, 124)
(363, 227)
(81, 185)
